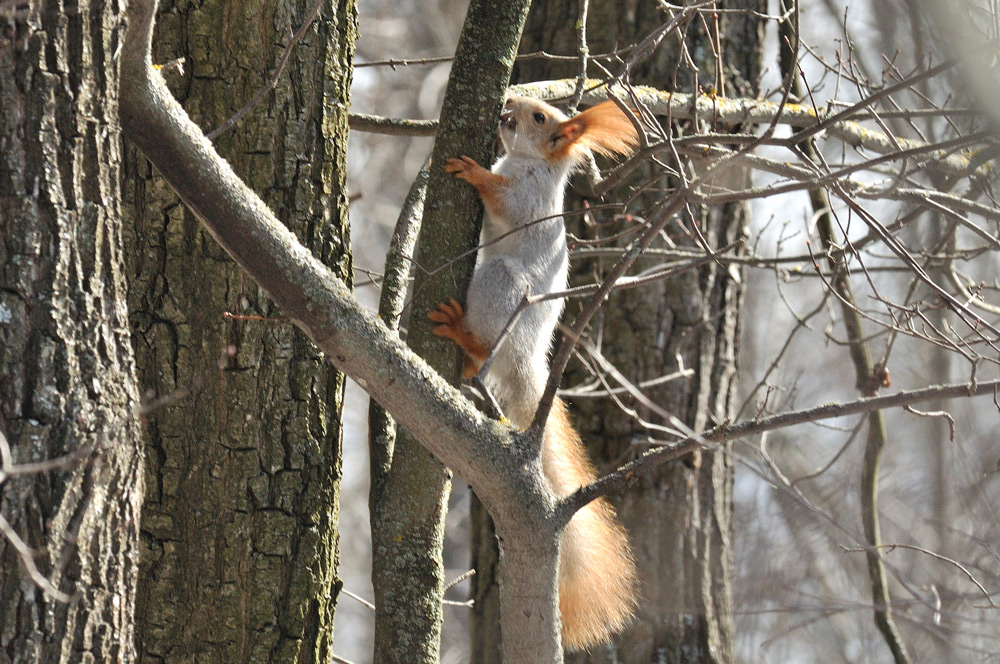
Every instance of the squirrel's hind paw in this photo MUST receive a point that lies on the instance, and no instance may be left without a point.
(449, 312)
(451, 325)
(451, 317)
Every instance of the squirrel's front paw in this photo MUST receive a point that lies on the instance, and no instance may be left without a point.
(464, 168)
(492, 188)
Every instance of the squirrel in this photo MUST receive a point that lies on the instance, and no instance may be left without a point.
(524, 192)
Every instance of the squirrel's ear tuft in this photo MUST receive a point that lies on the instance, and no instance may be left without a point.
(603, 128)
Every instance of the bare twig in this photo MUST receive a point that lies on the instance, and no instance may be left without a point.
(954, 563)
(358, 598)
(673, 450)
(8, 469)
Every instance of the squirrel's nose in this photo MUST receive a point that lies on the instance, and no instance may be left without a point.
(507, 117)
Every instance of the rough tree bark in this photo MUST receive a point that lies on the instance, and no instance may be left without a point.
(501, 463)
(410, 487)
(239, 551)
(67, 375)
(678, 517)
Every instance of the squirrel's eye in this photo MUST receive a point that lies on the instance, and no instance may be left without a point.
(539, 118)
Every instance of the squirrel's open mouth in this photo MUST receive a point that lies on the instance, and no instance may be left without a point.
(507, 119)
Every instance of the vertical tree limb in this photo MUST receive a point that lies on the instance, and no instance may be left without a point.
(408, 513)
(861, 359)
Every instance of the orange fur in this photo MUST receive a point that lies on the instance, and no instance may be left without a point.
(603, 128)
(451, 325)
(489, 185)
(596, 570)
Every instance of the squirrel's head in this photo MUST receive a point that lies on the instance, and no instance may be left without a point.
(532, 128)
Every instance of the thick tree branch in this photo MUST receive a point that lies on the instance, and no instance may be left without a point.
(488, 454)
(310, 295)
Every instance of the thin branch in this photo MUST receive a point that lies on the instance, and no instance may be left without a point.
(526, 301)
(859, 406)
(340, 660)
(524, 57)
(10, 469)
(375, 124)
(745, 111)
(403, 62)
(27, 557)
(656, 223)
(381, 426)
(670, 451)
(468, 574)
(358, 598)
(942, 414)
(942, 558)
(591, 391)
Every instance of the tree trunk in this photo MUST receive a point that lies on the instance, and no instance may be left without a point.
(678, 518)
(239, 552)
(67, 375)
(410, 487)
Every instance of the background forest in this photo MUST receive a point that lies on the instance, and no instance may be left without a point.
(798, 594)
(788, 374)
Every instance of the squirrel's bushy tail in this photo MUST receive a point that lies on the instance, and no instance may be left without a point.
(596, 570)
